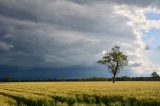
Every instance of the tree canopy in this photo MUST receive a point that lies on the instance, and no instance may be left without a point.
(115, 60)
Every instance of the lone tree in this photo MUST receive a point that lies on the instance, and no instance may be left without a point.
(7, 79)
(114, 60)
(155, 75)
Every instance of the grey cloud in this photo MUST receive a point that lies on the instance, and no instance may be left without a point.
(147, 47)
(59, 33)
(140, 3)
(135, 64)
(5, 46)
(65, 14)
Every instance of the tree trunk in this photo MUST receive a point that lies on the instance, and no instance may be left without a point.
(115, 72)
(114, 78)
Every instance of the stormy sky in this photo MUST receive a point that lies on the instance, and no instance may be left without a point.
(42, 39)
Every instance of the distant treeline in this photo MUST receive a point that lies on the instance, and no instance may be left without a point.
(123, 78)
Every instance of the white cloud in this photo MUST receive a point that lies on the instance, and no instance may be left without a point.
(5, 46)
(138, 22)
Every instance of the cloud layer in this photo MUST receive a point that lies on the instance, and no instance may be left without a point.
(67, 33)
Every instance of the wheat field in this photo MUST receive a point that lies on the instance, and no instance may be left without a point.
(80, 94)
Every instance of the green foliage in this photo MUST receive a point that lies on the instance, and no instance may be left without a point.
(154, 74)
(7, 79)
(6, 101)
(115, 60)
(89, 99)
(79, 98)
(71, 100)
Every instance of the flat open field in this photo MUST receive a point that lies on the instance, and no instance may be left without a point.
(80, 94)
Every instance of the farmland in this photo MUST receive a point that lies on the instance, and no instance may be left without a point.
(80, 94)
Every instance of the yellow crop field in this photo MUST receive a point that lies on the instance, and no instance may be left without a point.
(80, 94)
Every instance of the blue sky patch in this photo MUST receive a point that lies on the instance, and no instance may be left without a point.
(152, 37)
(152, 16)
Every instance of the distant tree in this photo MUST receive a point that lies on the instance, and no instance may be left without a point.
(7, 79)
(155, 75)
(125, 78)
(114, 60)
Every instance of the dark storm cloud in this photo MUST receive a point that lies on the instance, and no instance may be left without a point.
(140, 3)
(53, 33)
(58, 13)
(62, 33)
(52, 73)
